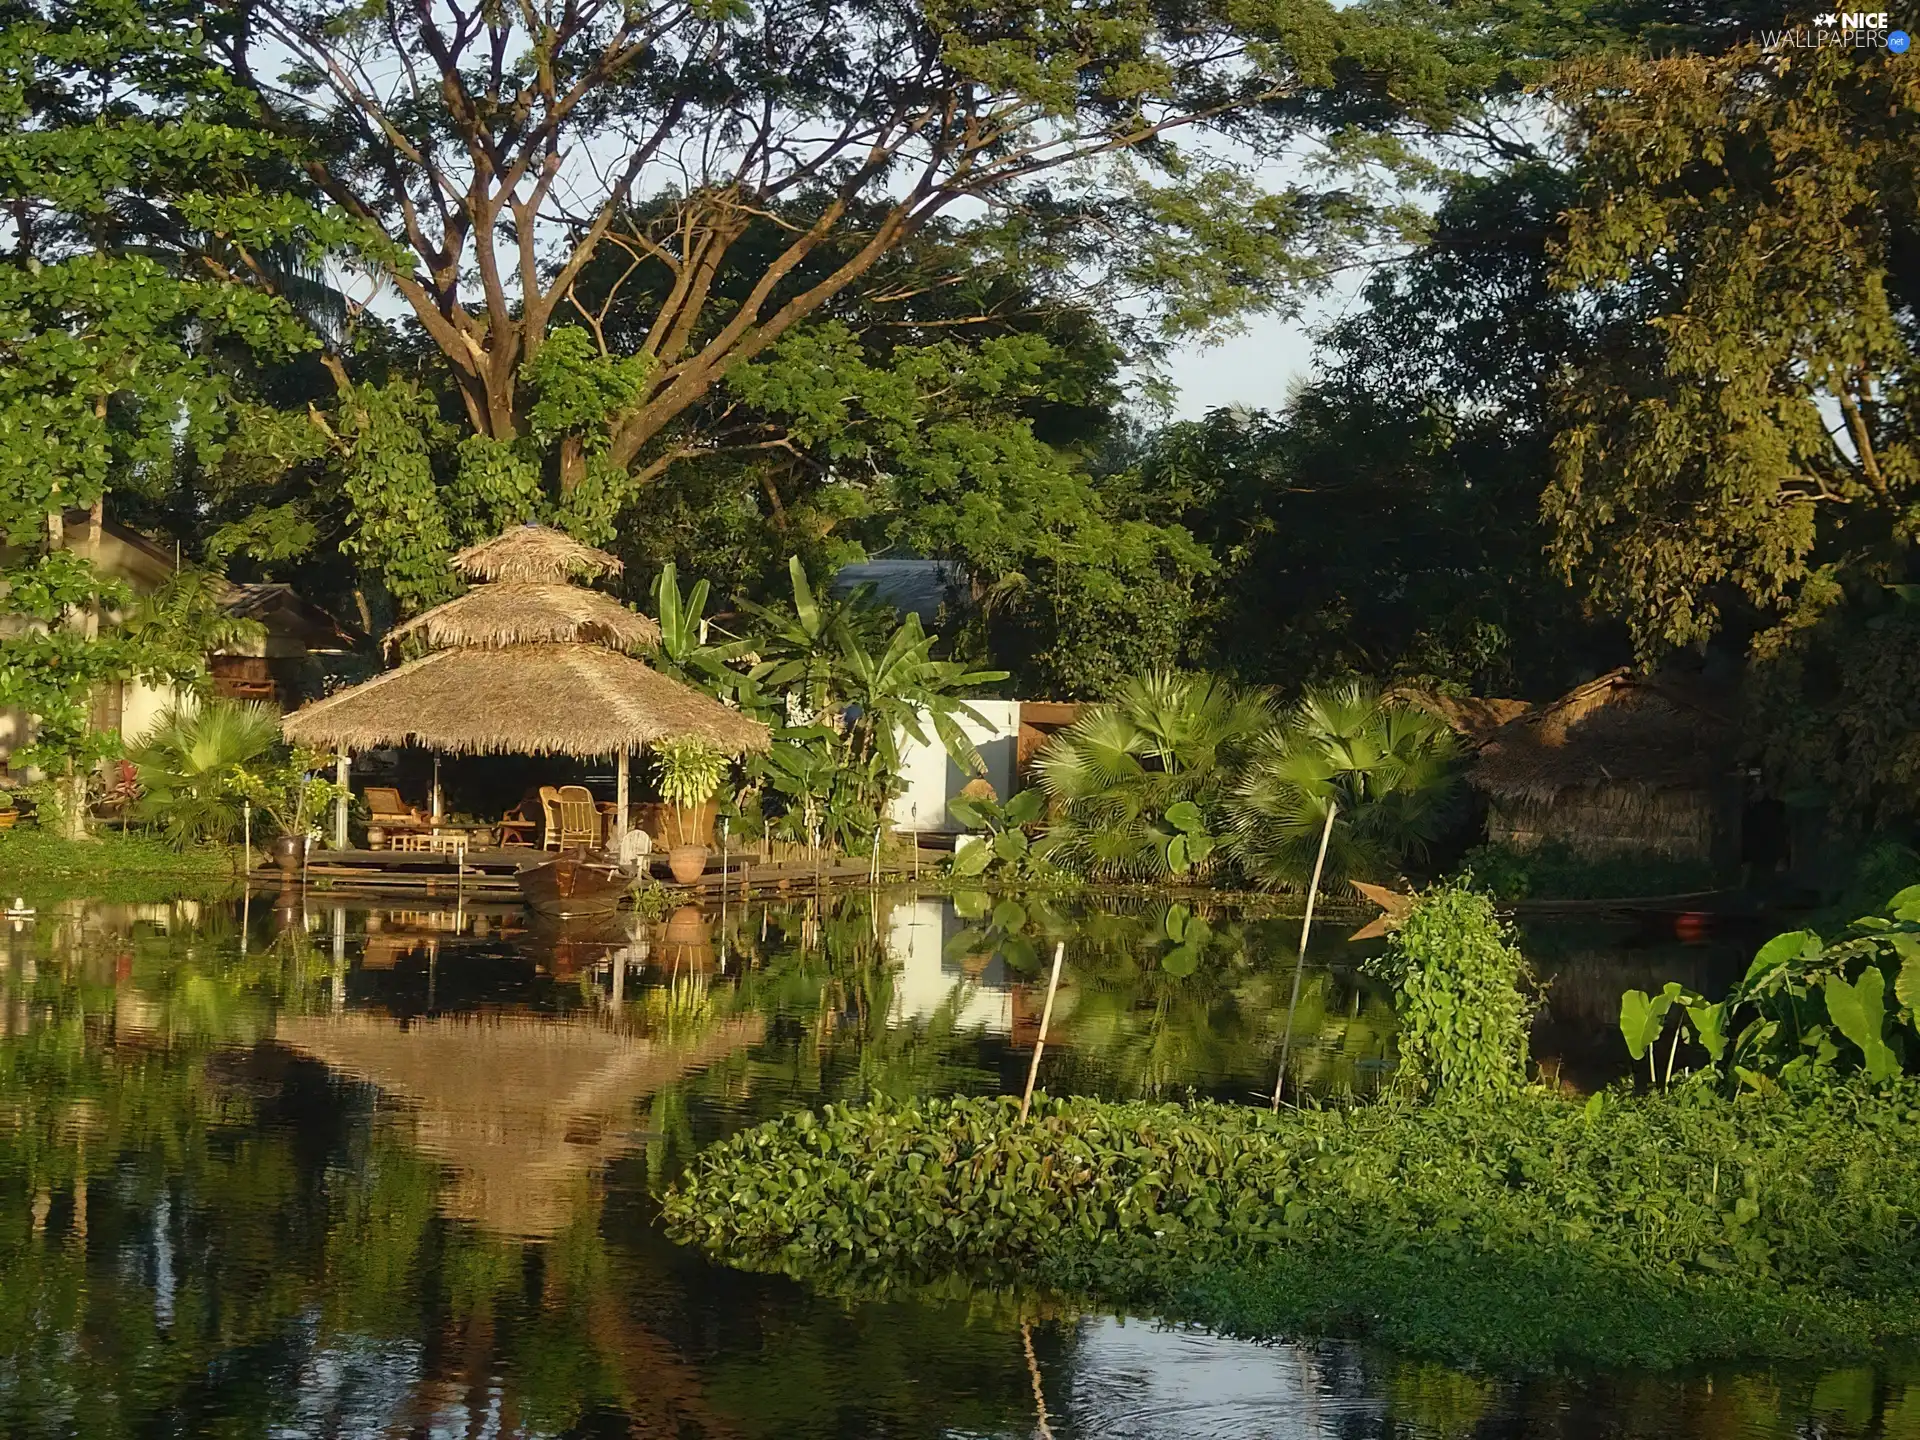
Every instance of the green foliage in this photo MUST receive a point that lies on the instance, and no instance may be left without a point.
(1463, 993)
(1805, 1007)
(196, 768)
(690, 772)
(1138, 785)
(36, 855)
(1391, 769)
(850, 685)
(202, 763)
(148, 222)
(1660, 1229)
(1552, 870)
(1004, 850)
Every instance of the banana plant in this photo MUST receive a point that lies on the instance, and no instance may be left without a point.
(685, 652)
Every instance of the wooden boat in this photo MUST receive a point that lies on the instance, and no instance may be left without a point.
(573, 884)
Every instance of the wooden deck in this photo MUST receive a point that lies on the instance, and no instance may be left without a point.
(490, 873)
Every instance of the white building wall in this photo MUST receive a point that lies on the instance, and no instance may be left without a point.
(932, 779)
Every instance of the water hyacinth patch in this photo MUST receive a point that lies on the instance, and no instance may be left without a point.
(1781, 1224)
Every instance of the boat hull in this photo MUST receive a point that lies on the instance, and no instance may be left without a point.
(567, 885)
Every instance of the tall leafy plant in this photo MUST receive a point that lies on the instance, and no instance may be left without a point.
(1391, 769)
(1804, 1006)
(1139, 785)
(1464, 995)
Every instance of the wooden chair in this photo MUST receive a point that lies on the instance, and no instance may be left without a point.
(579, 817)
(387, 811)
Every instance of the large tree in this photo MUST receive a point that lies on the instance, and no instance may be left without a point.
(147, 232)
(600, 216)
(1742, 450)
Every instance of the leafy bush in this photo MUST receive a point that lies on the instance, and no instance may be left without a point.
(1004, 847)
(198, 768)
(1552, 871)
(1391, 768)
(1463, 995)
(1659, 1229)
(1803, 1006)
(1139, 785)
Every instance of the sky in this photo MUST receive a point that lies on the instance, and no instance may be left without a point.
(1259, 367)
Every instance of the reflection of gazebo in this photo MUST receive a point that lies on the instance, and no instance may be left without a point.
(526, 662)
(519, 1107)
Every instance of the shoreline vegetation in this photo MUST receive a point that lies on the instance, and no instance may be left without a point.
(1469, 1215)
(112, 865)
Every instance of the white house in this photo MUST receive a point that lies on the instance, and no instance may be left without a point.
(1010, 734)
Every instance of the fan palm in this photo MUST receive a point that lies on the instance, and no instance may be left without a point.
(1392, 769)
(195, 768)
(1138, 784)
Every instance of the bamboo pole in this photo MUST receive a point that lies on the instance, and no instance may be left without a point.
(342, 769)
(619, 836)
(1046, 1018)
(1306, 928)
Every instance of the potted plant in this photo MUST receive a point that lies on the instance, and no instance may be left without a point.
(690, 772)
(292, 797)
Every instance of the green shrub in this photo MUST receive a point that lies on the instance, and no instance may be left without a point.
(1655, 1229)
(1463, 993)
(1392, 769)
(1805, 1007)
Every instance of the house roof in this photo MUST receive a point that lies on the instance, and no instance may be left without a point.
(1619, 729)
(1474, 718)
(913, 587)
(284, 611)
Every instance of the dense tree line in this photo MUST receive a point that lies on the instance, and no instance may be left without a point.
(323, 292)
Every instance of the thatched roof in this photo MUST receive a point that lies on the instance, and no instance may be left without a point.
(521, 613)
(1472, 717)
(523, 700)
(1622, 729)
(534, 554)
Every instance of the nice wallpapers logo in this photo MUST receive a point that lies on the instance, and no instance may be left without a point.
(1852, 29)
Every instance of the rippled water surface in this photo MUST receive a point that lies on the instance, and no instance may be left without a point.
(313, 1168)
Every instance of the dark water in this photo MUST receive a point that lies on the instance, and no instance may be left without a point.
(351, 1171)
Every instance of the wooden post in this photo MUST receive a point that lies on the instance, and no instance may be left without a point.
(619, 826)
(342, 766)
(1046, 1018)
(1306, 927)
(246, 837)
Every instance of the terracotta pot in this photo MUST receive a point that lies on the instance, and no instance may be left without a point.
(687, 926)
(290, 853)
(687, 862)
(7, 817)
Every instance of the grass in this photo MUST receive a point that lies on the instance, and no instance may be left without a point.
(111, 865)
(1526, 1232)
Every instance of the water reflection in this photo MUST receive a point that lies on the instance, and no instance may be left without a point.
(340, 1170)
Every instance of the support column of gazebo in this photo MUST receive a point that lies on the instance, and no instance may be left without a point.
(530, 662)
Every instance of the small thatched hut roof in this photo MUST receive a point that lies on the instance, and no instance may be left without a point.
(1472, 717)
(534, 554)
(1622, 729)
(523, 700)
(525, 613)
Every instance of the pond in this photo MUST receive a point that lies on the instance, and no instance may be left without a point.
(305, 1167)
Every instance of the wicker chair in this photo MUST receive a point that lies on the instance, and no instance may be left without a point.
(579, 816)
(387, 811)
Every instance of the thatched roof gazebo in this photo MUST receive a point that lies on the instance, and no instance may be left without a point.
(527, 662)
